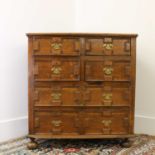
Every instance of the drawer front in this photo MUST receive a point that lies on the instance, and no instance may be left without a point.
(108, 46)
(54, 122)
(64, 96)
(107, 96)
(119, 95)
(107, 71)
(57, 69)
(56, 46)
(82, 122)
(107, 122)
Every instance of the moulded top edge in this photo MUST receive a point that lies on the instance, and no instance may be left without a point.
(83, 34)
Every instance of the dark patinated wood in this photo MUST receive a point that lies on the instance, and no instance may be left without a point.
(81, 85)
(48, 136)
(84, 34)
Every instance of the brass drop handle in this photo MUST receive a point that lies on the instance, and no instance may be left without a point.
(81, 103)
(56, 96)
(107, 96)
(108, 70)
(56, 70)
(56, 46)
(106, 122)
(56, 123)
(108, 46)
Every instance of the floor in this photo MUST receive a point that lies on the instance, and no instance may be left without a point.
(142, 145)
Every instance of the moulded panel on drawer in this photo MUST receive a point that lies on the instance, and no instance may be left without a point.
(57, 96)
(107, 70)
(52, 123)
(107, 46)
(56, 46)
(107, 96)
(57, 70)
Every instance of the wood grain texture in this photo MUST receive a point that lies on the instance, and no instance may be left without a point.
(48, 136)
(81, 85)
(82, 34)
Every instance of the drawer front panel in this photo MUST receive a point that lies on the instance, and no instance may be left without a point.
(54, 122)
(107, 122)
(119, 95)
(64, 96)
(56, 46)
(108, 46)
(107, 71)
(107, 96)
(57, 70)
(82, 122)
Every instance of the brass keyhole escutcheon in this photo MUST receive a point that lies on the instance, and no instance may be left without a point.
(108, 46)
(108, 70)
(56, 46)
(56, 123)
(81, 103)
(106, 122)
(56, 96)
(107, 96)
(56, 70)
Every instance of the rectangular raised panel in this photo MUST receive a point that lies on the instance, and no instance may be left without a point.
(101, 71)
(57, 69)
(35, 45)
(56, 46)
(37, 122)
(116, 96)
(107, 46)
(65, 96)
(113, 124)
(95, 122)
(51, 124)
(121, 122)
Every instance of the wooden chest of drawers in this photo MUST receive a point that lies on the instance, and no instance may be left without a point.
(81, 85)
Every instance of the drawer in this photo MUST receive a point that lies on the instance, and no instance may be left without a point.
(56, 46)
(107, 96)
(108, 46)
(57, 69)
(107, 70)
(56, 96)
(82, 122)
(54, 122)
(111, 95)
(109, 121)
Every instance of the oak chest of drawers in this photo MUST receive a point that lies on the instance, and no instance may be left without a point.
(81, 85)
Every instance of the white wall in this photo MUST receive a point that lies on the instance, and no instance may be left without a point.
(19, 17)
(128, 16)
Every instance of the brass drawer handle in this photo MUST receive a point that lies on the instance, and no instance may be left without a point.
(108, 46)
(107, 96)
(81, 103)
(56, 46)
(108, 70)
(56, 70)
(78, 102)
(56, 123)
(106, 122)
(56, 96)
